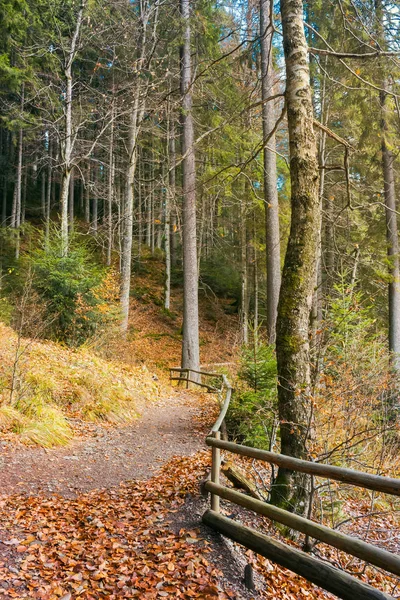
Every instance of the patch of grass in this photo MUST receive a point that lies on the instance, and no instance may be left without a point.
(53, 383)
(36, 422)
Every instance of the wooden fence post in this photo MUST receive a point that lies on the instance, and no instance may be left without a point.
(215, 470)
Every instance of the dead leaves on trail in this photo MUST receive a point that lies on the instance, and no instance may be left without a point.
(107, 544)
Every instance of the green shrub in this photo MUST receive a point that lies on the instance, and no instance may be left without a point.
(258, 367)
(70, 286)
(251, 417)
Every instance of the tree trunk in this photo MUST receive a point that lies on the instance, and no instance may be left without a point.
(290, 489)
(67, 142)
(71, 200)
(24, 192)
(43, 194)
(4, 204)
(95, 205)
(110, 187)
(16, 208)
(244, 276)
(48, 197)
(190, 341)
(87, 195)
(391, 237)
(270, 179)
(172, 184)
(127, 223)
(168, 233)
(140, 203)
(5, 181)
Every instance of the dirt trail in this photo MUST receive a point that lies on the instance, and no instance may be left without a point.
(108, 456)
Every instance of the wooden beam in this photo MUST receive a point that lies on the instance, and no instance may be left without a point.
(355, 547)
(206, 373)
(224, 410)
(322, 574)
(388, 485)
(210, 388)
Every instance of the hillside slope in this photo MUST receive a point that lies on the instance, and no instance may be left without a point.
(44, 387)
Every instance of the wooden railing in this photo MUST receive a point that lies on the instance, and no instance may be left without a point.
(323, 574)
(184, 376)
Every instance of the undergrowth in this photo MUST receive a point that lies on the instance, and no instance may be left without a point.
(251, 417)
(44, 385)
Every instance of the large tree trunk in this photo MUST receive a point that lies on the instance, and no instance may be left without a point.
(392, 238)
(270, 183)
(127, 223)
(290, 489)
(190, 341)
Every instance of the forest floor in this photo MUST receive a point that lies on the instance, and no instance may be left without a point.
(108, 517)
(117, 514)
(104, 456)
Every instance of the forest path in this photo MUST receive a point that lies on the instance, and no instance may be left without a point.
(116, 514)
(107, 456)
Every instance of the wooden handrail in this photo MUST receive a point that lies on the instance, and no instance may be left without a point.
(354, 546)
(388, 485)
(338, 582)
(325, 575)
(321, 573)
(205, 373)
(225, 406)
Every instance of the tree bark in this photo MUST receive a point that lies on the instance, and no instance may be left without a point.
(290, 489)
(190, 340)
(392, 237)
(270, 179)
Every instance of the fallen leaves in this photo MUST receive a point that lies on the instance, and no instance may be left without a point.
(108, 544)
